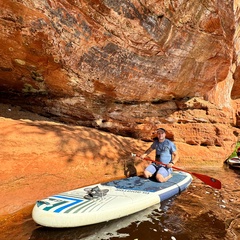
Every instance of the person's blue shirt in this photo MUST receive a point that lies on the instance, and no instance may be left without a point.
(164, 150)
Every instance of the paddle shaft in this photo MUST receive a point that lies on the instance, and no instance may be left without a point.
(206, 179)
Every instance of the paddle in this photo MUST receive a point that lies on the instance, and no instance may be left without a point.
(206, 179)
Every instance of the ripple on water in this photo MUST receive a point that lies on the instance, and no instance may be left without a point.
(200, 212)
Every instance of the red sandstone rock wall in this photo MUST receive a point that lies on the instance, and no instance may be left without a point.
(100, 55)
(120, 66)
(126, 67)
(40, 157)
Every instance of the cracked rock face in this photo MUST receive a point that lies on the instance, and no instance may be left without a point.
(126, 67)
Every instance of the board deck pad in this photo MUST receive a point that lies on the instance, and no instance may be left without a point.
(143, 184)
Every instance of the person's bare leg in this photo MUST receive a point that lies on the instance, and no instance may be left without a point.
(160, 178)
(147, 174)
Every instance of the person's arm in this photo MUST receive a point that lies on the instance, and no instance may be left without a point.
(148, 151)
(174, 160)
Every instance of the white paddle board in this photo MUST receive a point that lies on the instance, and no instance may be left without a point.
(106, 201)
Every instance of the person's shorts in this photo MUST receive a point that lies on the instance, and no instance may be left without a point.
(158, 169)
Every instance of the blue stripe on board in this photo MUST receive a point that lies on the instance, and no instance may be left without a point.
(75, 201)
(175, 191)
(167, 195)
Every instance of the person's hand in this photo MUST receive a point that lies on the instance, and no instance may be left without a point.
(170, 165)
(143, 156)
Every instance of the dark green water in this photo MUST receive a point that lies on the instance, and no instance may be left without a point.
(200, 212)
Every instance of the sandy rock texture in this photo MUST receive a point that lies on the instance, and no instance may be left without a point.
(41, 157)
(122, 66)
(100, 76)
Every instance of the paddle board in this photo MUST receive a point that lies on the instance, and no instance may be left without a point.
(234, 162)
(106, 201)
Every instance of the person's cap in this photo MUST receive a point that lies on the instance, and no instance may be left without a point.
(161, 130)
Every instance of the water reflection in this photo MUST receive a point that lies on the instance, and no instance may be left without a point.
(200, 212)
(170, 221)
(93, 232)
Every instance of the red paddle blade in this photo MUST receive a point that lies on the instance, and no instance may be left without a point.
(213, 182)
